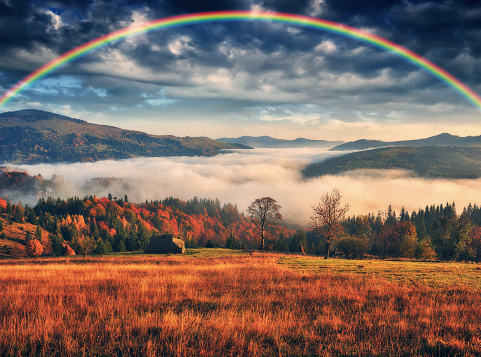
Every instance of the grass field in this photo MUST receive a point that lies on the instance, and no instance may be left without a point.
(213, 302)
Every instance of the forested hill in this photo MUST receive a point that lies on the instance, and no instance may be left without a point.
(444, 139)
(428, 161)
(33, 136)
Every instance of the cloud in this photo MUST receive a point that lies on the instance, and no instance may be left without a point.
(241, 177)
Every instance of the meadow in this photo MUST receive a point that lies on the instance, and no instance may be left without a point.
(213, 302)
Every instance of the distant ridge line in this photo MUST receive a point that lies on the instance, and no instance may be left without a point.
(270, 142)
(444, 139)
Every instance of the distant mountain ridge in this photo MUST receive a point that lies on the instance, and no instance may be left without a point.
(270, 142)
(443, 139)
(34, 136)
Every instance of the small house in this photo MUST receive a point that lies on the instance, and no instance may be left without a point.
(165, 244)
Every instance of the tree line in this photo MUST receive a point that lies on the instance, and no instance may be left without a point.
(95, 225)
(436, 232)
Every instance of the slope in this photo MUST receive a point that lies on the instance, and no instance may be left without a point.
(34, 136)
(444, 139)
(427, 161)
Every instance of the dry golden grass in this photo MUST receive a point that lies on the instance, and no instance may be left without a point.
(232, 305)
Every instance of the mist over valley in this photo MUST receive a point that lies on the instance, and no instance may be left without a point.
(240, 176)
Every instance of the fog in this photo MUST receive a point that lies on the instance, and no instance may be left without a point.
(239, 177)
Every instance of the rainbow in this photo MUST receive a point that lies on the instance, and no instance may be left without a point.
(224, 16)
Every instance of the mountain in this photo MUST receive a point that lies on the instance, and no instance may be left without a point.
(269, 142)
(33, 136)
(444, 139)
(425, 161)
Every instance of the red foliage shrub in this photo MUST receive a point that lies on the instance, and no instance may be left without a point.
(34, 248)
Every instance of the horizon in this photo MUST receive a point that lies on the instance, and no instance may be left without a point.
(237, 137)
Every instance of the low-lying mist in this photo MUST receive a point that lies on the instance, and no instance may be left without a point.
(241, 176)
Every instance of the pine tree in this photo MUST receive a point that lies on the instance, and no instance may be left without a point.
(38, 233)
(57, 247)
(302, 241)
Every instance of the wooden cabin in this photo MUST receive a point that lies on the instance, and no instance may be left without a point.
(165, 244)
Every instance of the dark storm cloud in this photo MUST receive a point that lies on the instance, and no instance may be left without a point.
(189, 6)
(20, 26)
(444, 26)
(289, 6)
(441, 30)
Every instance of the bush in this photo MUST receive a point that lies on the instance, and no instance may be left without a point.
(352, 247)
(232, 243)
(425, 251)
(34, 248)
(209, 244)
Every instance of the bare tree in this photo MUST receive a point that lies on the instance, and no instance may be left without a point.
(266, 210)
(327, 217)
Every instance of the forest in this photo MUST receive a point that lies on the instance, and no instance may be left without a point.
(93, 225)
(102, 225)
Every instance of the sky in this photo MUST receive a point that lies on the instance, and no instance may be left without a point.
(249, 78)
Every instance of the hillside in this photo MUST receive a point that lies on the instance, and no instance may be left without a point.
(102, 225)
(444, 139)
(34, 136)
(426, 161)
(269, 142)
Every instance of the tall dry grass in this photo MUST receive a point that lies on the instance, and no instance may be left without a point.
(231, 306)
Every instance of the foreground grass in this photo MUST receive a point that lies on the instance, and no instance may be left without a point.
(215, 303)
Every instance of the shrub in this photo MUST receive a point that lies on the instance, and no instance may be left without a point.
(352, 247)
(425, 251)
(34, 248)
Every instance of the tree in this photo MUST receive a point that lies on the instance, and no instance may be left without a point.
(266, 210)
(474, 244)
(406, 238)
(280, 244)
(299, 243)
(56, 242)
(18, 214)
(326, 220)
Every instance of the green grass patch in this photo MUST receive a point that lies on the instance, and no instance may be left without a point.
(213, 252)
(433, 274)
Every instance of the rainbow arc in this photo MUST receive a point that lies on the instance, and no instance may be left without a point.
(224, 16)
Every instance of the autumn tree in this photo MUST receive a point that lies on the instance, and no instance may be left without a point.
(34, 248)
(327, 217)
(266, 210)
